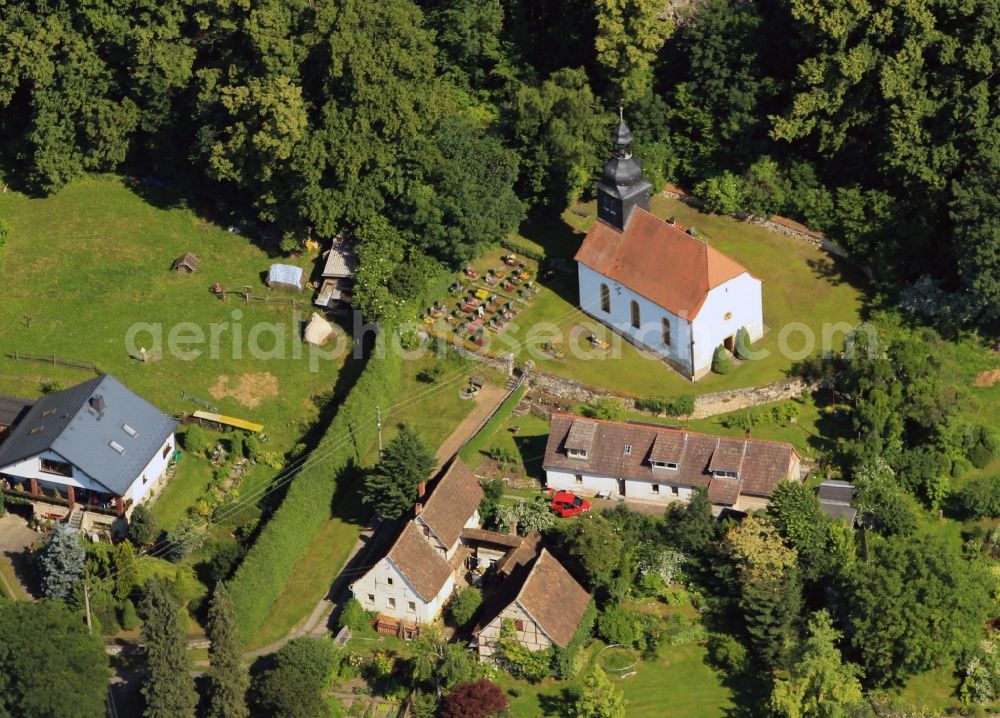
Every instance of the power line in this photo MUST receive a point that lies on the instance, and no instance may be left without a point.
(289, 472)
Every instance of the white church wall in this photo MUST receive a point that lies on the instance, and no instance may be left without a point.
(733, 304)
(650, 332)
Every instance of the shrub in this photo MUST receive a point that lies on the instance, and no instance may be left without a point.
(607, 407)
(619, 625)
(479, 699)
(743, 343)
(51, 386)
(129, 616)
(727, 654)
(983, 447)
(532, 666)
(184, 539)
(195, 440)
(568, 661)
(722, 194)
(678, 406)
(680, 630)
(465, 605)
(721, 361)
(682, 405)
(431, 374)
(142, 528)
(315, 658)
(237, 445)
(980, 498)
(225, 555)
(355, 617)
(254, 447)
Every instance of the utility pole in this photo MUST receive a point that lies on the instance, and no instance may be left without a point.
(378, 425)
(86, 601)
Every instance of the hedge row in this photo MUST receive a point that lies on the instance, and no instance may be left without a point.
(267, 568)
(564, 662)
(527, 252)
(470, 451)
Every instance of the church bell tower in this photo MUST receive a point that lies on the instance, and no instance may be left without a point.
(622, 187)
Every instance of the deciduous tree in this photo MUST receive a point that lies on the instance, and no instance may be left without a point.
(51, 666)
(481, 699)
(914, 605)
(599, 698)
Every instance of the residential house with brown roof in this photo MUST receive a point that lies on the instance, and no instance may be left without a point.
(651, 463)
(654, 283)
(411, 583)
(543, 602)
(452, 506)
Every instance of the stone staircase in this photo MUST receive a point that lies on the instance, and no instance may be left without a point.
(75, 519)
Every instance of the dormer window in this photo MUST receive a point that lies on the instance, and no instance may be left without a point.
(628, 449)
(664, 465)
(725, 474)
(576, 453)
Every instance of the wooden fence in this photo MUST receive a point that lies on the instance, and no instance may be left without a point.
(55, 361)
(246, 296)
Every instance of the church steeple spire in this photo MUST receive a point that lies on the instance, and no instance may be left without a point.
(622, 187)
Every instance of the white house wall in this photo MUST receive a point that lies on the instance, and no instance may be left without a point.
(376, 584)
(645, 490)
(651, 316)
(591, 485)
(153, 472)
(740, 300)
(31, 468)
(588, 485)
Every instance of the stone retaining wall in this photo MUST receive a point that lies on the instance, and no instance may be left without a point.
(572, 392)
(724, 401)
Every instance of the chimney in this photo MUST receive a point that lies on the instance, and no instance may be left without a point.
(97, 403)
(417, 508)
(512, 528)
(421, 489)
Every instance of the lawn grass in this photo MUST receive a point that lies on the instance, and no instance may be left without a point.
(84, 265)
(7, 571)
(433, 410)
(475, 446)
(315, 571)
(194, 476)
(675, 683)
(801, 284)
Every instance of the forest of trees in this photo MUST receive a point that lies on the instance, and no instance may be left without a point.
(452, 120)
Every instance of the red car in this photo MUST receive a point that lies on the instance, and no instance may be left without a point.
(566, 503)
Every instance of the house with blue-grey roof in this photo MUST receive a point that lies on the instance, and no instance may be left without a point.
(97, 445)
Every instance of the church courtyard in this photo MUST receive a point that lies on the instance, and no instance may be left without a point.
(802, 288)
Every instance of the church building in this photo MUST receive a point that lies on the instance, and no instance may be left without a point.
(661, 288)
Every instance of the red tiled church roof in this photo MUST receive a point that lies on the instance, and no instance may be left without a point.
(658, 261)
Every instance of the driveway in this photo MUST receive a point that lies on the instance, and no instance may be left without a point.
(15, 537)
(487, 400)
